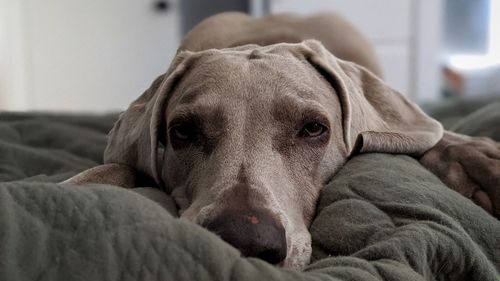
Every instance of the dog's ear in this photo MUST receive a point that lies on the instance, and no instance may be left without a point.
(376, 118)
(134, 139)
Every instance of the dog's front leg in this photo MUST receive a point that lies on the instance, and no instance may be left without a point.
(127, 177)
(113, 174)
(470, 166)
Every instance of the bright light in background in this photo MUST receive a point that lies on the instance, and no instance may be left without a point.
(492, 57)
(472, 61)
(494, 36)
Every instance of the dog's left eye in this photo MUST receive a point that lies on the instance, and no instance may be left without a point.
(312, 129)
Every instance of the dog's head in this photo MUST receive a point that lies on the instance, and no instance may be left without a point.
(244, 138)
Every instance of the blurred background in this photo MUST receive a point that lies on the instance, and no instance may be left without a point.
(98, 56)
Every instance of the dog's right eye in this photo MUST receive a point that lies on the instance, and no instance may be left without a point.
(182, 133)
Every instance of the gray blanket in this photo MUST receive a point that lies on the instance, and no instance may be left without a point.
(383, 217)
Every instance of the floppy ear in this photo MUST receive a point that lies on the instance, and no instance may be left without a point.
(134, 139)
(376, 118)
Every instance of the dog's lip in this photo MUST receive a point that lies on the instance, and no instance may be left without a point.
(280, 264)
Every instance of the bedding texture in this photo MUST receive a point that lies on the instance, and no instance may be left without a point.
(382, 217)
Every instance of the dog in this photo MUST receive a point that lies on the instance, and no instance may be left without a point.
(255, 116)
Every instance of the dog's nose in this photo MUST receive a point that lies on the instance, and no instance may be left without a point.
(255, 233)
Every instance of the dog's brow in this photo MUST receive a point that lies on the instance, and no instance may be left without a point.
(189, 97)
(213, 114)
(291, 112)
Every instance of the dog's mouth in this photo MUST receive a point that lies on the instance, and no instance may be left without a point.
(254, 232)
(254, 225)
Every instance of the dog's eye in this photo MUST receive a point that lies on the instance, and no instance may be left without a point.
(312, 129)
(183, 132)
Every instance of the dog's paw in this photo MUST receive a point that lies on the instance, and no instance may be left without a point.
(469, 165)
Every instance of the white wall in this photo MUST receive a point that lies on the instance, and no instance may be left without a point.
(3, 52)
(405, 34)
(96, 55)
(85, 55)
(425, 72)
(12, 56)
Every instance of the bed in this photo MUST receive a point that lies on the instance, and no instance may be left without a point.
(382, 217)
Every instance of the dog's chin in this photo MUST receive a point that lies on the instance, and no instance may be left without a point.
(299, 251)
(298, 236)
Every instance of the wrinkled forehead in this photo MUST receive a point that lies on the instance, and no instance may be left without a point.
(257, 74)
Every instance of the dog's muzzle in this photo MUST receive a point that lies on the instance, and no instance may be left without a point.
(254, 232)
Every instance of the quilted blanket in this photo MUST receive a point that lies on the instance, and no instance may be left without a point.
(382, 217)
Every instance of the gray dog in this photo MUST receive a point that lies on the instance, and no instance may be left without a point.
(250, 122)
